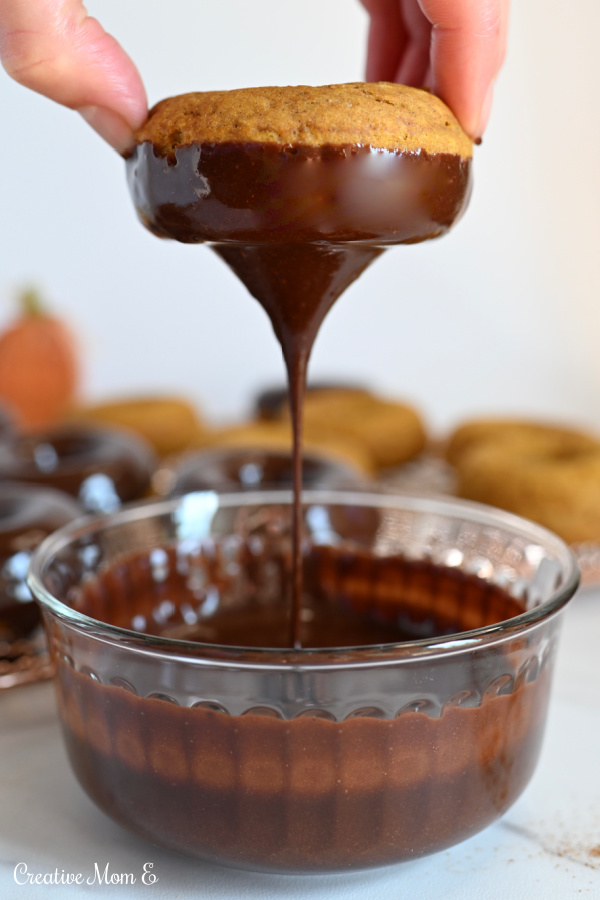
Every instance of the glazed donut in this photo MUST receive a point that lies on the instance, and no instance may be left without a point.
(103, 467)
(236, 468)
(28, 514)
(277, 436)
(372, 162)
(545, 473)
(391, 433)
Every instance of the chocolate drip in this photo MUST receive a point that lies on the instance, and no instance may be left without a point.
(297, 225)
(297, 285)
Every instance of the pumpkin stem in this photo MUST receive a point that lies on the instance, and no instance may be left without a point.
(30, 303)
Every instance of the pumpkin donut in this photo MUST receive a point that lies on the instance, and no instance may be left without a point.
(501, 430)
(390, 433)
(230, 165)
(545, 473)
(277, 435)
(169, 423)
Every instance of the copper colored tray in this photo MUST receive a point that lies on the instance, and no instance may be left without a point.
(24, 661)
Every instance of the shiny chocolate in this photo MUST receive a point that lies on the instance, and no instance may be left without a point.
(247, 469)
(297, 225)
(28, 514)
(102, 467)
(257, 193)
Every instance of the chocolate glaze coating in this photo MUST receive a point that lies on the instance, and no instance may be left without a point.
(247, 469)
(28, 514)
(103, 467)
(257, 193)
(297, 224)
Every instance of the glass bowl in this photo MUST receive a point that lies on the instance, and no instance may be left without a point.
(320, 759)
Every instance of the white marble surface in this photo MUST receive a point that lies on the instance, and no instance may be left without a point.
(547, 847)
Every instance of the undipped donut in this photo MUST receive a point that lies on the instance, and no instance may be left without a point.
(547, 473)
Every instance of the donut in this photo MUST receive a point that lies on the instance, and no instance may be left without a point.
(549, 474)
(170, 424)
(501, 430)
(236, 468)
(277, 436)
(390, 433)
(271, 403)
(102, 467)
(28, 514)
(347, 162)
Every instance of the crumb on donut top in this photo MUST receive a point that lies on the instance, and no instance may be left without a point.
(380, 115)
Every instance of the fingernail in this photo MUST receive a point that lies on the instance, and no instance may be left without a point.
(110, 126)
(484, 114)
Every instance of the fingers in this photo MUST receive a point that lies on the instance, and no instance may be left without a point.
(414, 65)
(56, 49)
(387, 39)
(468, 46)
(453, 47)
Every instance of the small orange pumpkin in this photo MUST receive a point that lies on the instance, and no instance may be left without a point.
(39, 371)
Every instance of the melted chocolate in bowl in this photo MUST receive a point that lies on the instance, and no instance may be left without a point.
(352, 599)
(297, 225)
(317, 759)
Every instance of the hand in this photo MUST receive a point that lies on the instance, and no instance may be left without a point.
(56, 49)
(455, 48)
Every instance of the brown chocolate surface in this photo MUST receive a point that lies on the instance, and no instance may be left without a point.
(310, 793)
(270, 193)
(248, 469)
(351, 598)
(28, 514)
(69, 456)
(297, 224)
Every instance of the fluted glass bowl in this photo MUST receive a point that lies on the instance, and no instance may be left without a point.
(315, 759)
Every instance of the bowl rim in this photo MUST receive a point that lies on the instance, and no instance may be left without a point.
(283, 658)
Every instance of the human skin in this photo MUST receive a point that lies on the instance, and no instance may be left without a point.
(55, 48)
(453, 47)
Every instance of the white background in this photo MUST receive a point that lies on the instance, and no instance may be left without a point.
(502, 315)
